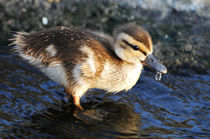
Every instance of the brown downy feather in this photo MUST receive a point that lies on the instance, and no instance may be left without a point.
(67, 42)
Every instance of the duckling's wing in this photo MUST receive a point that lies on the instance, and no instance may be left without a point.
(54, 52)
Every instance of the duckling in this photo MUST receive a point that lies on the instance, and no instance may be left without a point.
(81, 59)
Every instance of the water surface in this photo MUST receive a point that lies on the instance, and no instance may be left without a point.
(31, 105)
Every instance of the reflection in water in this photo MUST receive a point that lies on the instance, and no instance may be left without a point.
(107, 119)
(31, 106)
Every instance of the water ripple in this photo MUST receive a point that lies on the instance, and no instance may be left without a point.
(31, 105)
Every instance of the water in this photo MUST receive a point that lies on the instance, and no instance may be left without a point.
(32, 106)
(158, 76)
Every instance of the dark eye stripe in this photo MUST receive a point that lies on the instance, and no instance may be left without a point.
(127, 43)
(134, 47)
(144, 52)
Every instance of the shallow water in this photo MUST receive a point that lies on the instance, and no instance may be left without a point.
(31, 105)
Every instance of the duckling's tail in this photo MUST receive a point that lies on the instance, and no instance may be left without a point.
(21, 47)
(18, 41)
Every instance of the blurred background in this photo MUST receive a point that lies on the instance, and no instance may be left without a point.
(180, 29)
(176, 107)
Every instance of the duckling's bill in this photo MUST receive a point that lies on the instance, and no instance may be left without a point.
(152, 63)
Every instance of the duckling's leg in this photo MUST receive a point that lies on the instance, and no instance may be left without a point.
(75, 96)
(76, 101)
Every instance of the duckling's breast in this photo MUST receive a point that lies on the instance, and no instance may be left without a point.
(115, 78)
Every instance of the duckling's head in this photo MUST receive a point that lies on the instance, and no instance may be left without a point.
(134, 44)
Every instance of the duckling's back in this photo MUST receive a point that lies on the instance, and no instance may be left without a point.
(50, 44)
(57, 51)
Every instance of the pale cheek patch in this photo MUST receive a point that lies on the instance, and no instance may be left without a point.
(120, 52)
(142, 57)
(126, 54)
(51, 50)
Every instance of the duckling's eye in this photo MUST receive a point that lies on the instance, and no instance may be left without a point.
(132, 46)
(135, 47)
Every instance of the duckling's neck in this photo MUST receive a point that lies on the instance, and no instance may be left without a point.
(108, 43)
